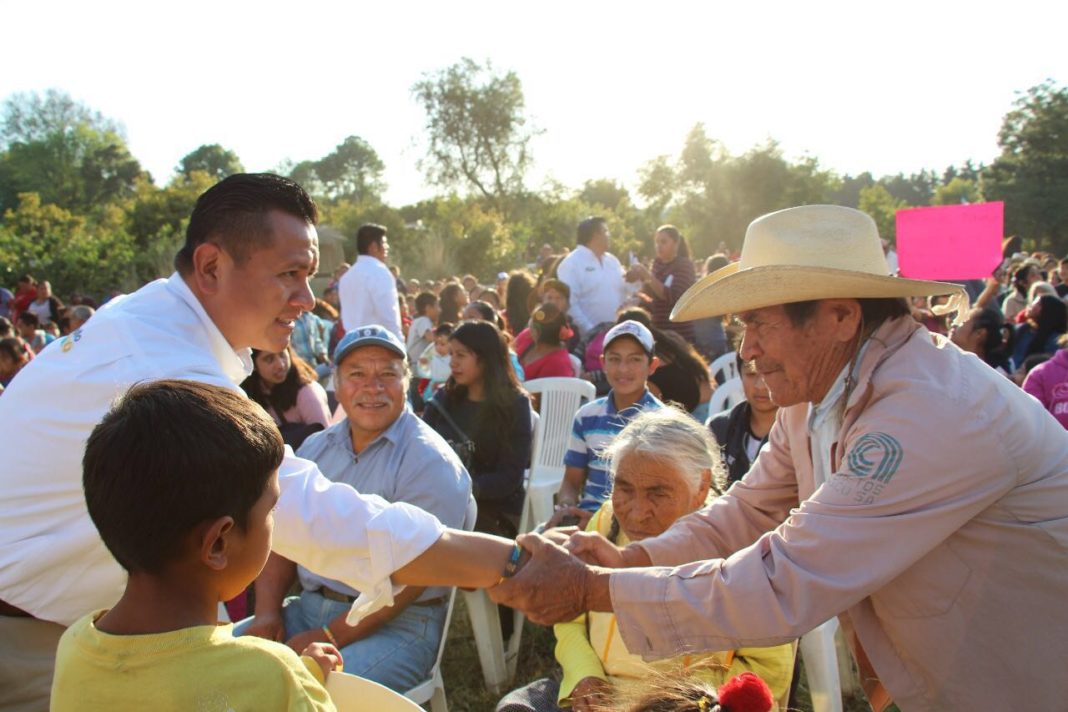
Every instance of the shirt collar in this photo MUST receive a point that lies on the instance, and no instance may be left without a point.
(645, 399)
(818, 413)
(235, 363)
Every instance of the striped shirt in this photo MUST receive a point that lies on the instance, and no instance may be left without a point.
(596, 425)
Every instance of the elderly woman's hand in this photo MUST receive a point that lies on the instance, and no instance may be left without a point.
(553, 586)
(591, 693)
(595, 549)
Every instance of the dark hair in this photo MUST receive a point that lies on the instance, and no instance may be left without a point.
(485, 311)
(234, 211)
(368, 234)
(6, 327)
(283, 396)
(557, 286)
(873, 311)
(997, 346)
(29, 319)
(423, 301)
(450, 302)
(444, 328)
(716, 262)
(547, 323)
(516, 300)
(499, 383)
(1019, 278)
(14, 348)
(669, 346)
(1052, 320)
(680, 240)
(588, 228)
(27, 278)
(171, 455)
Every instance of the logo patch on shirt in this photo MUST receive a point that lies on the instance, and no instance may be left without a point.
(875, 455)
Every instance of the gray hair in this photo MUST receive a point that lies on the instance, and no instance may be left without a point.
(669, 435)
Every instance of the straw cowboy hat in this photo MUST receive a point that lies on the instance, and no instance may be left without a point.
(805, 253)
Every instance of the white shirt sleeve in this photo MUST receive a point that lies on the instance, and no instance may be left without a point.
(357, 539)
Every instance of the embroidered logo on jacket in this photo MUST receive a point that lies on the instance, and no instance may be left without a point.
(875, 455)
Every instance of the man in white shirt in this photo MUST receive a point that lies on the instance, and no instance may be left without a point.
(594, 276)
(241, 282)
(368, 290)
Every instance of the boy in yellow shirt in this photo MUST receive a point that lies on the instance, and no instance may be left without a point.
(181, 479)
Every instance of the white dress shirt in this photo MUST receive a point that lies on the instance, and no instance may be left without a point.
(368, 294)
(53, 563)
(597, 286)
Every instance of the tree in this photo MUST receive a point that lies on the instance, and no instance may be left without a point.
(957, 191)
(68, 154)
(1031, 173)
(352, 171)
(877, 202)
(212, 159)
(477, 131)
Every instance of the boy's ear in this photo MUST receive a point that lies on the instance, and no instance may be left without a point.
(654, 363)
(214, 543)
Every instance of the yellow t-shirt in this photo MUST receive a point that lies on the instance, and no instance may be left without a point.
(199, 669)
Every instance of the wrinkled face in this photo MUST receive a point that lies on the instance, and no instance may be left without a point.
(273, 367)
(649, 494)
(557, 299)
(258, 302)
(464, 363)
(666, 247)
(756, 392)
(627, 366)
(251, 547)
(795, 362)
(371, 388)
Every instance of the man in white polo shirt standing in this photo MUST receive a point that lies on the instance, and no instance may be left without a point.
(368, 290)
(241, 282)
(594, 276)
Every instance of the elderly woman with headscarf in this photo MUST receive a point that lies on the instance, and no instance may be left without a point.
(664, 465)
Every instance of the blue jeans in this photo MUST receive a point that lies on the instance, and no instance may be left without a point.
(398, 655)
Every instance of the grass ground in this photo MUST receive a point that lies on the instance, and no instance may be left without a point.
(463, 675)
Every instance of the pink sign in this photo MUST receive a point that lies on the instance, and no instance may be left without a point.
(950, 241)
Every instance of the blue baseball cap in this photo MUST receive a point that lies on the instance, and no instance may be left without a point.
(370, 335)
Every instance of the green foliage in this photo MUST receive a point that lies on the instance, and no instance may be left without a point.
(1031, 174)
(67, 154)
(352, 171)
(213, 159)
(877, 201)
(476, 130)
(74, 253)
(156, 219)
(957, 191)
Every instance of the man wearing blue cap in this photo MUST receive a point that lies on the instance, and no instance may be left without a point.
(380, 448)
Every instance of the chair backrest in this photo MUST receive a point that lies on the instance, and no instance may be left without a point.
(560, 400)
(726, 395)
(725, 366)
(356, 694)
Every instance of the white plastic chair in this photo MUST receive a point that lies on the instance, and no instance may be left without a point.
(821, 667)
(356, 694)
(727, 395)
(560, 400)
(433, 690)
(727, 364)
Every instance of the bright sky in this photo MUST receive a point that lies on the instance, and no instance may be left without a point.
(861, 86)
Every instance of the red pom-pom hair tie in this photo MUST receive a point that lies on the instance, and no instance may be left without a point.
(566, 333)
(745, 693)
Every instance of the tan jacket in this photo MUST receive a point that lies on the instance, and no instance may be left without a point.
(941, 539)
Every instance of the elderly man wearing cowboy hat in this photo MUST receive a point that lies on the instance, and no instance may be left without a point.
(907, 488)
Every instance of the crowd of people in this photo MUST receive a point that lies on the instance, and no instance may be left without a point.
(403, 400)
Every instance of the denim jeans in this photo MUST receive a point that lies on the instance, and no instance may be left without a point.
(398, 655)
